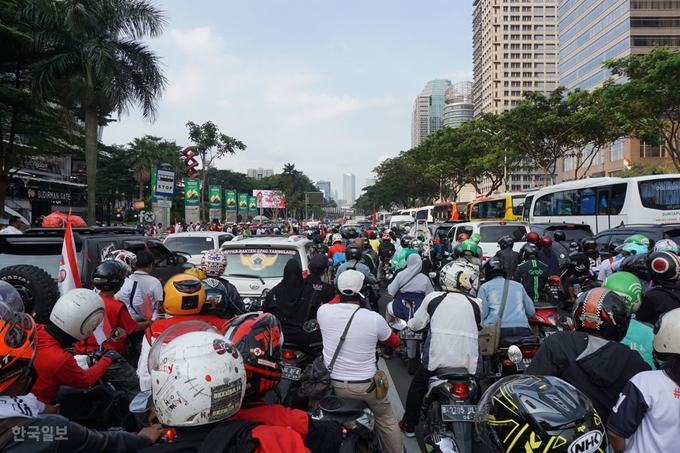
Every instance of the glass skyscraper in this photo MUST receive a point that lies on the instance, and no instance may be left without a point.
(458, 107)
(428, 111)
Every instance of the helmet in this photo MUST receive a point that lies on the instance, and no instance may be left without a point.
(337, 237)
(636, 265)
(666, 338)
(184, 295)
(216, 297)
(506, 242)
(627, 286)
(529, 249)
(386, 237)
(559, 236)
(406, 241)
(457, 250)
(418, 245)
(258, 338)
(463, 237)
(196, 378)
(213, 262)
(459, 276)
(588, 244)
(666, 245)
(129, 258)
(10, 296)
(469, 246)
(476, 237)
(664, 266)
(353, 252)
(407, 229)
(547, 409)
(372, 234)
(602, 312)
(533, 237)
(196, 272)
(493, 268)
(17, 344)
(546, 242)
(109, 275)
(78, 313)
(633, 248)
(637, 239)
(614, 248)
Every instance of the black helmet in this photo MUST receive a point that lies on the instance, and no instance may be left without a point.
(602, 312)
(559, 236)
(353, 252)
(614, 248)
(636, 265)
(664, 266)
(529, 249)
(528, 410)
(457, 250)
(109, 275)
(406, 241)
(493, 267)
(588, 244)
(506, 242)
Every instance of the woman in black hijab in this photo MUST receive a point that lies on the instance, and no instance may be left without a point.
(294, 301)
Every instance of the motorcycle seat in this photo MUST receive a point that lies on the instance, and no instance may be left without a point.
(544, 305)
(338, 405)
(451, 372)
(518, 341)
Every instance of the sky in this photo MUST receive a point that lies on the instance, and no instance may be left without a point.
(327, 85)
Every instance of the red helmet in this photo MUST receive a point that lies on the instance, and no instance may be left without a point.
(463, 237)
(372, 234)
(533, 237)
(546, 242)
(386, 237)
(258, 338)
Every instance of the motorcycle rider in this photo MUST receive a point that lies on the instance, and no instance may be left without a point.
(664, 269)
(532, 273)
(373, 240)
(74, 317)
(318, 268)
(452, 339)
(509, 259)
(518, 305)
(606, 265)
(354, 255)
(561, 246)
(585, 260)
(337, 249)
(214, 263)
(26, 424)
(407, 284)
(138, 286)
(386, 249)
(467, 251)
(648, 409)
(591, 357)
(548, 256)
(398, 261)
(367, 255)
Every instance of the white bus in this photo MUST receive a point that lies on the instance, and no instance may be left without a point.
(606, 203)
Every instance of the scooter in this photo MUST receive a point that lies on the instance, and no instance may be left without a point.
(545, 322)
(294, 362)
(501, 364)
(411, 341)
(357, 422)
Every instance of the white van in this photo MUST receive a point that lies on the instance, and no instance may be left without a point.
(398, 220)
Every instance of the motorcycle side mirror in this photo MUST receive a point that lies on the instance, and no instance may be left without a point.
(118, 334)
(398, 324)
(566, 322)
(514, 354)
(311, 326)
(141, 403)
(432, 274)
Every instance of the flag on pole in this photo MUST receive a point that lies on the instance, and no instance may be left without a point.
(626, 162)
(375, 218)
(69, 276)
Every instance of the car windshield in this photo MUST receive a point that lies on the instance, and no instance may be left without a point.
(492, 233)
(258, 263)
(674, 235)
(191, 245)
(49, 263)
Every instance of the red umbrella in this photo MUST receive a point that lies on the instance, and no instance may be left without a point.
(59, 220)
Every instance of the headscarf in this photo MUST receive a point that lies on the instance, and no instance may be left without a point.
(407, 279)
(290, 299)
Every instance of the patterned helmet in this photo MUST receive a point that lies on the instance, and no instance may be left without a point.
(627, 286)
(214, 262)
(459, 276)
(602, 312)
(129, 258)
(216, 297)
(664, 266)
(666, 245)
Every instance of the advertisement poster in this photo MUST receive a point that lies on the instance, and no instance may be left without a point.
(243, 203)
(230, 199)
(192, 200)
(269, 199)
(252, 205)
(215, 200)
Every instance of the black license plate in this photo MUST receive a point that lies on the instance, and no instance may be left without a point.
(291, 373)
(410, 335)
(459, 413)
(524, 364)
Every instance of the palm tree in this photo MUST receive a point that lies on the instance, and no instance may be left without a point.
(97, 59)
(150, 152)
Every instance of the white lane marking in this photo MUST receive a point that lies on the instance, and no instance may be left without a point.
(410, 444)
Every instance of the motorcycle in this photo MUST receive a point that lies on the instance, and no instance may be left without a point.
(501, 364)
(357, 422)
(386, 273)
(450, 408)
(545, 322)
(411, 341)
(102, 406)
(294, 362)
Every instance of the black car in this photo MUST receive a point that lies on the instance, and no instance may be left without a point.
(572, 231)
(654, 232)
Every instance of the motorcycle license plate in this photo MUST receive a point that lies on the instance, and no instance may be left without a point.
(291, 373)
(458, 413)
(523, 365)
(410, 335)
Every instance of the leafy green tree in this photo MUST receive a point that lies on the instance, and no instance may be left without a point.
(150, 152)
(210, 144)
(97, 60)
(649, 101)
(644, 169)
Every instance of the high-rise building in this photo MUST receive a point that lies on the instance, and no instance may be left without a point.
(428, 111)
(259, 173)
(514, 50)
(349, 182)
(325, 187)
(592, 31)
(458, 107)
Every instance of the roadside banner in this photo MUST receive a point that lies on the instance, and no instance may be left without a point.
(192, 200)
(215, 193)
(252, 205)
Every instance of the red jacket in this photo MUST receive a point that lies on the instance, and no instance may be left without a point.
(117, 316)
(284, 429)
(57, 367)
(336, 248)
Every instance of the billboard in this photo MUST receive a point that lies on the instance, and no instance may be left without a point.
(270, 199)
(230, 199)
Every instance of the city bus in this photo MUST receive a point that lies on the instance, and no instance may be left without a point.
(445, 211)
(607, 202)
(504, 206)
(424, 213)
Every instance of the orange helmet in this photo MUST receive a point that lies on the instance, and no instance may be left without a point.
(463, 237)
(17, 345)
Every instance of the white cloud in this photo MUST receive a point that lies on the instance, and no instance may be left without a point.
(198, 40)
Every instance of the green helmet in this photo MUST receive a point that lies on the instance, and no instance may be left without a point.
(637, 239)
(420, 236)
(469, 245)
(476, 237)
(627, 286)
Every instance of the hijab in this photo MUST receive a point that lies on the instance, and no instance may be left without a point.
(414, 264)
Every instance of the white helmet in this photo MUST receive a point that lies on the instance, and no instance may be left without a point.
(214, 262)
(78, 313)
(459, 276)
(128, 258)
(196, 379)
(666, 245)
(337, 237)
(666, 338)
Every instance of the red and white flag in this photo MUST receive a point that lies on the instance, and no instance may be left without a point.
(626, 162)
(69, 276)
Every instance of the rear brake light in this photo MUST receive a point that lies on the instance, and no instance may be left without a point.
(288, 354)
(460, 390)
(485, 257)
(502, 223)
(304, 274)
(529, 352)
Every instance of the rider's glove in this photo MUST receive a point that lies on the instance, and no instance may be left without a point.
(113, 355)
